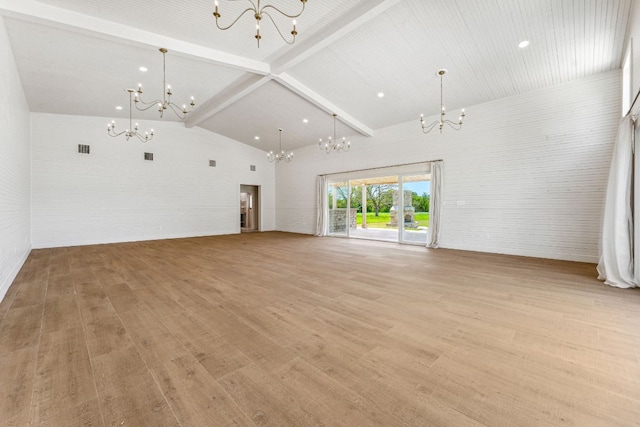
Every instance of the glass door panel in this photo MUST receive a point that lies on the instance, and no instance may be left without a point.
(416, 195)
(373, 206)
(338, 211)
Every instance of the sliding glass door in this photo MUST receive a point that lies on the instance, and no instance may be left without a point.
(416, 198)
(389, 207)
(338, 212)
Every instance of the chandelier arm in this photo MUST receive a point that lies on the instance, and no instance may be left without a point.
(283, 13)
(453, 125)
(113, 134)
(147, 104)
(427, 129)
(177, 110)
(236, 20)
(141, 138)
(278, 29)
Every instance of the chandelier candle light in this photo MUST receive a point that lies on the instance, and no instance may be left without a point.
(280, 156)
(165, 102)
(455, 125)
(334, 144)
(258, 11)
(133, 130)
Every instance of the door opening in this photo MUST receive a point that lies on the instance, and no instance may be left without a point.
(249, 208)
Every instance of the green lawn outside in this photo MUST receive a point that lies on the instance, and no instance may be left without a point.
(383, 218)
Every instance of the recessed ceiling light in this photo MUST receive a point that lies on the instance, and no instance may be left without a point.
(257, 138)
(143, 69)
(305, 121)
(118, 107)
(523, 44)
(380, 95)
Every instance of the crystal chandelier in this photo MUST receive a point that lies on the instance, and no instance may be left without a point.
(454, 125)
(133, 130)
(260, 11)
(165, 102)
(334, 144)
(280, 156)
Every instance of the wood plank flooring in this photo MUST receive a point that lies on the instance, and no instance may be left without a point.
(278, 329)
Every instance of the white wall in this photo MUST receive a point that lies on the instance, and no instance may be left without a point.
(15, 168)
(530, 169)
(114, 195)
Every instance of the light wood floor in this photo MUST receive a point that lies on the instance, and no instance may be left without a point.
(286, 330)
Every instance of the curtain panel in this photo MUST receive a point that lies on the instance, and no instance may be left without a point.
(435, 208)
(617, 252)
(321, 203)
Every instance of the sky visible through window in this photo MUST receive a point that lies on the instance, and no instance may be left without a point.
(418, 187)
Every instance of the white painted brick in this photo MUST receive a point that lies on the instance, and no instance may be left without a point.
(114, 195)
(532, 170)
(15, 169)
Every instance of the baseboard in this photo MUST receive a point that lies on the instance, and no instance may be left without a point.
(4, 287)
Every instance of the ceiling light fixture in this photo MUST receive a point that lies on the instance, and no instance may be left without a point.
(454, 125)
(380, 95)
(334, 144)
(143, 69)
(133, 130)
(165, 102)
(280, 156)
(523, 44)
(258, 12)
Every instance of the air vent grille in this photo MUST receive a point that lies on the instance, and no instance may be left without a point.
(252, 168)
(84, 149)
(148, 156)
(212, 163)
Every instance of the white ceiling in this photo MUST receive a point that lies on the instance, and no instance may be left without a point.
(78, 57)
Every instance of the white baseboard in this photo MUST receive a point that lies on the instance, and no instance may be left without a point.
(4, 286)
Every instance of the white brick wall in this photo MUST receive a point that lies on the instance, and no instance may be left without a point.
(15, 168)
(114, 195)
(531, 169)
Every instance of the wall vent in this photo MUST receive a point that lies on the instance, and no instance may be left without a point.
(252, 168)
(148, 156)
(84, 149)
(212, 163)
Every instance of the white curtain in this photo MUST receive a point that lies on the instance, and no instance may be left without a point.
(321, 205)
(616, 257)
(435, 204)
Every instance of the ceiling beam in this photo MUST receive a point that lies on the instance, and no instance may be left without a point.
(335, 30)
(324, 104)
(56, 17)
(235, 91)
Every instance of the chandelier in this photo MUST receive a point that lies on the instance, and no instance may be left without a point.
(280, 156)
(258, 13)
(334, 144)
(455, 125)
(133, 130)
(165, 102)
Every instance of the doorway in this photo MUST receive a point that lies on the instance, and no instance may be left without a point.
(249, 208)
(392, 207)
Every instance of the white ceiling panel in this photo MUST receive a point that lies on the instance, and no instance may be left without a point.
(65, 73)
(78, 57)
(399, 52)
(268, 108)
(193, 21)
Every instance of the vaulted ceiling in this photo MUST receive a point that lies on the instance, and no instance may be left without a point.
(78, 57)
